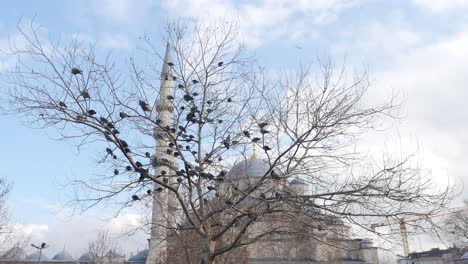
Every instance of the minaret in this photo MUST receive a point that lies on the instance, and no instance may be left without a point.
(164, 203)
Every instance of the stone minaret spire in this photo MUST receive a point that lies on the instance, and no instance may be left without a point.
(164, 203)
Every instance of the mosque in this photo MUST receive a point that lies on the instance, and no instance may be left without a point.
(334, 246)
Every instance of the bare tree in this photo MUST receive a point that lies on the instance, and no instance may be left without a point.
(456, 227)
(5, 230)
(102, 245)
(305, 126)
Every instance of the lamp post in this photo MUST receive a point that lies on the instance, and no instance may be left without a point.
(40, 248)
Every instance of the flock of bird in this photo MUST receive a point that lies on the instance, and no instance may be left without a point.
(192, 117)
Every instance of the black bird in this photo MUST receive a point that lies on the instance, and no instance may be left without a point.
(165, 180)
(103, 120)
(174, 78)
(109, 151)
(159, 189)
(116, 172)
(62, 104)
(168, 151)
(262, 195)
(194, 152)
(91, 112)
(114, 156)
(220, 63)
(209, 110)
(211, 188)
(138, 164)
(148, 192)
(115, 131)
(182, 108)
(110, 125)
(266, 148)
(76, 71)
(135, 197)
(195, 81)
(246, 133)
(227, 142)
(180, 180)
(176, 154)
(127, 150)
(264, 131)
(85, 94)
(256, 139)
(222, 173)
(228, 202)
(170, 64)
(195, 94)
(170, 97)
(124, 143)
(163, 172)
(147, 154)
(171, 144)
(123, 115)
(220, 121)
(144, 106)
(128, 168)
(187, 147)
(274, 175)
(229, 100)
(158, 121)
(180, 86)
(209, 102)
(188, 98)
(43, 245)
(263, 124)
(181, 128)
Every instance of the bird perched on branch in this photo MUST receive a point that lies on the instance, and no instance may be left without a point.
(91, 112)
(256, 139)
(135, 197)
(62, 104)
(76, 71)
(85, 94)
(211, 188)
(123, 115)
(116, 172)
(220, 63)
(144, 106)
(246, 133)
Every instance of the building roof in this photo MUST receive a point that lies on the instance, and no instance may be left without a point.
(63, 256)
(14, 253)
(140, 256)
(250, 168)
(86, 257)
(435, 252)
(35, 256)
(297, 181)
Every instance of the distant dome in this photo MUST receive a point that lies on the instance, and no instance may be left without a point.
(63, 256)
(35, 256)
(251, 168)
(113, 254)
(297, 181)
(140, 256)
(14, 253)
(86, 257)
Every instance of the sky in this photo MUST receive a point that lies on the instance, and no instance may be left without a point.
(417, 48)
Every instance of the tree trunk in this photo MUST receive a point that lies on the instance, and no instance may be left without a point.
(207, 251)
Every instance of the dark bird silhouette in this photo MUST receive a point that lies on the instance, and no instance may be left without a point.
(195, 94)
(123, 143)
(182, 108)
(266, 148)
(229, 100)
(165, 180)
(220, 121)
(188, 98)
(159, 189)
(256, 139)
(135, 197)
(220, 63)
(147, 154)
(209, 102)
(209, 110)
(180, 180)
(180, 86)
(246, 133)
(62, 104)
(171, 144)
(115, 131)
(263, 124)
(158, 121)
(228, 202)
(168, 151)
(91, 112)
(128, 168)
(127, 150)
(123, 115)
(264, 131)
(163, 172)
(114, 156)
(263, 195)
(116, 172)
(138, 164)
(110, 125)
(144, 106)
(170, 64)
(85, 94)
(226, 142)
(176, 154)
(109, 151)
(211, 188)
(170, 97)
(103, 120)
(194, 81)
(76, 71)
(148, 192)
(194, 152)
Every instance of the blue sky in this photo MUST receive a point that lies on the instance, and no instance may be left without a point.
(417, 47)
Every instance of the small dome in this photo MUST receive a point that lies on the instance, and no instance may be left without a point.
(113, 254)
(35, 256)
(251, 168)
(88, 257)
(297, 181)
(63, 256)
(140, 256)
(14, 253)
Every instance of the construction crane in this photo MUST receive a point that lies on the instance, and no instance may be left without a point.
(402, 224)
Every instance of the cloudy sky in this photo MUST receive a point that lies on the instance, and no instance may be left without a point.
(418, 48)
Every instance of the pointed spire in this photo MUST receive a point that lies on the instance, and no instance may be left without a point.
(166, 69)
(254, 152)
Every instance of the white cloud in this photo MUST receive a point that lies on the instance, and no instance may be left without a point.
(263, 20)
(441, 6)
(122, 11)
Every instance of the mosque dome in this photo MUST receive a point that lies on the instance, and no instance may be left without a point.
(297, 181)
(63, 256)
(14, 253)
(35, 256)
(88, 257)
(140, 256)
(250, 168)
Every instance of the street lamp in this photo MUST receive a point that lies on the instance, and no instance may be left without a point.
(40, 248)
